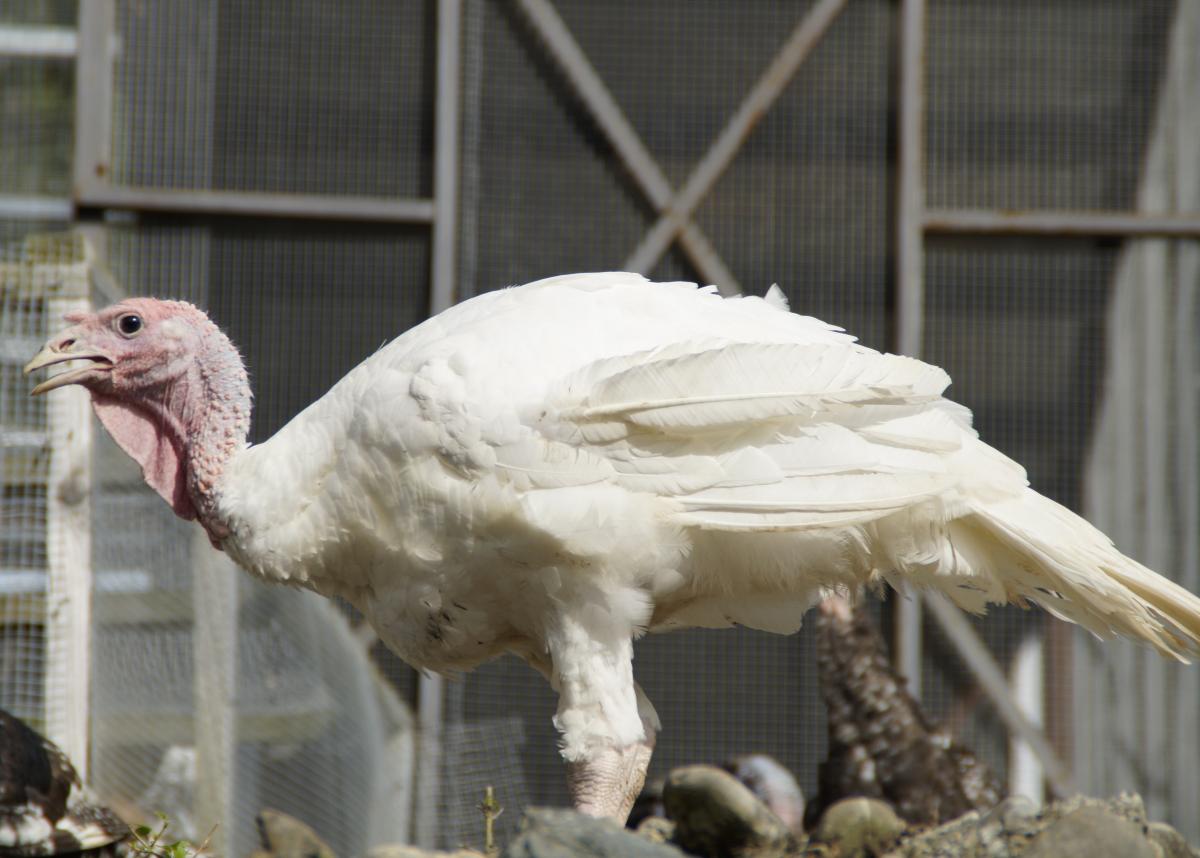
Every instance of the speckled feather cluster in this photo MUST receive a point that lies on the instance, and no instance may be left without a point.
(881, 744)
(44, 810)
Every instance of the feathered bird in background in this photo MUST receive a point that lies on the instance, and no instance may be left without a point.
(554, 469)
(881, 745)
(44, 809)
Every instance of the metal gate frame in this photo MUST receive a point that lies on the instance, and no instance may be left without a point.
(1019, 704)
(676, 208)
(914, 223)
(93, 187)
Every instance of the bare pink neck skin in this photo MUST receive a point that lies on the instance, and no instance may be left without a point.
(217, 426)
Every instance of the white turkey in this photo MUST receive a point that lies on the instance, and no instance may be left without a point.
(554, 469)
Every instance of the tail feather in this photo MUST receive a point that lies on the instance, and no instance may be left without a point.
(1181, 607)
(1058, 560)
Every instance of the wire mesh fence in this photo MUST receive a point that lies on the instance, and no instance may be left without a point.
(37, 102)
(1041, 105)
(24, 468)
(325, 99)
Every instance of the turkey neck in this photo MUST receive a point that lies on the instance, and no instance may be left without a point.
(217, 428)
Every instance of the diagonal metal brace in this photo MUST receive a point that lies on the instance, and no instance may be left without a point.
(678, 211)
(988, 674)
(612, 121)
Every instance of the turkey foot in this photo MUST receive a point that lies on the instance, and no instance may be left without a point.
(610, 782)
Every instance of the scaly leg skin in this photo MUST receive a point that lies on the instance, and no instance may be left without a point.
(610, 782)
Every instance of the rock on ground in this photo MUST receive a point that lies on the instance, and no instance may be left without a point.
(1080, 826)
(1170, 842)
(285, 836)
(715, 815)
(656, 829)
(400, 850)
(858, 828)
(553, 833)
(1092, 830)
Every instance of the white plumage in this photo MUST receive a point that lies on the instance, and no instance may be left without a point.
(554, 469)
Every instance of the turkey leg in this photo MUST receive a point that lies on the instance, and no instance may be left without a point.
(607, 723)
(609, 783)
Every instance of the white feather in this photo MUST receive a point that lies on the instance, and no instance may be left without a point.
(776, 298)
(749, 382)
(549, 470)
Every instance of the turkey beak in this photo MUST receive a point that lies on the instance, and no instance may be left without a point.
(62, 348)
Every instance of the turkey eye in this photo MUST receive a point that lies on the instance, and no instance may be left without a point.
(129, 324)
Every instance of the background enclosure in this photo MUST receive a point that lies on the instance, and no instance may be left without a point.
(1009, 189)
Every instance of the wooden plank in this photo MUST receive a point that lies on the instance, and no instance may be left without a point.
(1025, 774)
(160, 606)
(179, 728)
(92, 161)
(214, 724)
(1184, 789)
(108, 609)
(69, 557)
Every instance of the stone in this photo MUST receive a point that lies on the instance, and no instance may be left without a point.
(554, 833)
(716, 815)
(285, 836)
(403, 850)
(1093, 832)
(858, 827)
(1170, 842)
(648, 803)
(1089, 827)
(1013, 813)
(656, 829)
(774, 785)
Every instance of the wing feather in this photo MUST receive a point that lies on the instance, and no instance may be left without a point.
(753, 436)
(752, 382)
(539, 463)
